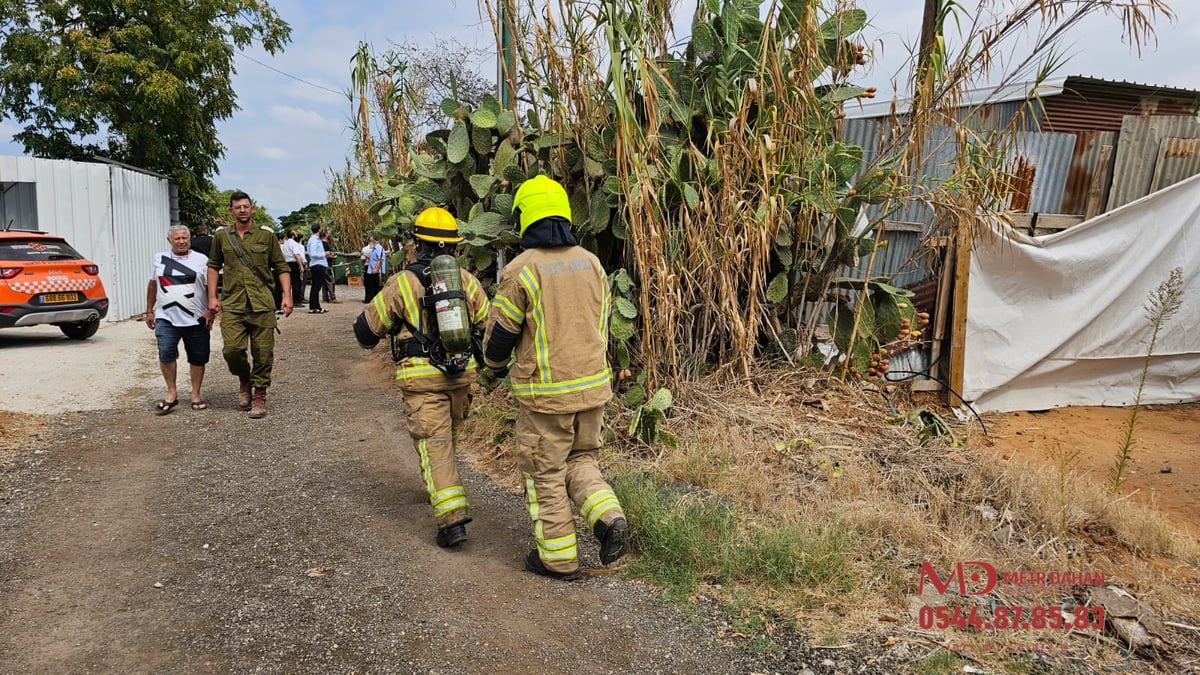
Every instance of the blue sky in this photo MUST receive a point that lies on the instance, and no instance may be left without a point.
(288, 135)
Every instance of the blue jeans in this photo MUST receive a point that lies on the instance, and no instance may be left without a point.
(195, 342)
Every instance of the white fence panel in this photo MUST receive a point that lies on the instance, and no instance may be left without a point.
(141, 215)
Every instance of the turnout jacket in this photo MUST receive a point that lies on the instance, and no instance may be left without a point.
(553, 304)
(400, 301)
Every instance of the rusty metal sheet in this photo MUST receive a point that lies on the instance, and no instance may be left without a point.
(1178, 160)
(1137, 153)
(1091, 166)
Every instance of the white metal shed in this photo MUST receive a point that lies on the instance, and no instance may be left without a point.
(116, 216)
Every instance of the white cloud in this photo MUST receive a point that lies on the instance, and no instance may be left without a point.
(271, 152)
(304, 119)
(308, 92)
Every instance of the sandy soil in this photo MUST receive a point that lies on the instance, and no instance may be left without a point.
(1164, 470)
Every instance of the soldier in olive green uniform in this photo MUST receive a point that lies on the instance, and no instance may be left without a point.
(251, 259)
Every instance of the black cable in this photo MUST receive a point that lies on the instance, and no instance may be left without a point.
(912, 374)
(298, 79)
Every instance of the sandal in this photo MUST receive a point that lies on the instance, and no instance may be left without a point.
(199, 405)
(164, 406)
(318, 311)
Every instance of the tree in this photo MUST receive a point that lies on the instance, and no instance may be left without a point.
(216, 210)
(140, 82)
(312, 213)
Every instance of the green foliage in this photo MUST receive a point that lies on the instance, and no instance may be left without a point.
(305, 216)
(648, 416)
(885, 316)
(1162, 304)
(684, 538)
(141, 82)
(930, 425)
(217, 209)
(814, 191)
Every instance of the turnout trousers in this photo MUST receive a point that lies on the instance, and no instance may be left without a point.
(253, 330)
(433, 419)
(559, 457)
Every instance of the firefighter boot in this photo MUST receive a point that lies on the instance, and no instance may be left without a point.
(452, 535)
(533, 563)
(244, 393)
(612, 539)
(258, 408)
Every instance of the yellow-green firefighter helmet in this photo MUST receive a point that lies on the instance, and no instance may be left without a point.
(540, 197)
(435, 224)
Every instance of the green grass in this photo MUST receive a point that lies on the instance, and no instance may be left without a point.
(939, 662)
(683, 538)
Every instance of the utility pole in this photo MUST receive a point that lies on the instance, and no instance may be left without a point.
(505, 81)
(931, 30)
(506, 58)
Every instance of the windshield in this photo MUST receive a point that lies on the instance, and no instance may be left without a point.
(36, 250)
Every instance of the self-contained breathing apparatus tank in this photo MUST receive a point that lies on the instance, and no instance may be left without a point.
(450, 305)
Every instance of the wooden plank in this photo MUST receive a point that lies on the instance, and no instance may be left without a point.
(927, 385)
(958, 330)
(1159, 165)
(903, 226)
(1095, 192)
(1030, 222)
(941, 308)
(1057, 221)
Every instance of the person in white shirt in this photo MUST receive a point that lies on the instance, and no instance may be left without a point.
(177, 309)
(293, 253)
(375, 269)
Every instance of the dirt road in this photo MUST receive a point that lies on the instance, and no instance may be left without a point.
(209, 542)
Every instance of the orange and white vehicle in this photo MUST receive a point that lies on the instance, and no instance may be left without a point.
(45, 281)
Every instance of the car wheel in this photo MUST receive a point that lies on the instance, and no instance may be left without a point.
(80, 330)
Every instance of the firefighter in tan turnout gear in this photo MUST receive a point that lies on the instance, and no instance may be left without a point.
(552, 307)
(435, 384)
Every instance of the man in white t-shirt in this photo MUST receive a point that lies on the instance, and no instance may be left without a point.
(293, 253)
(177, 309)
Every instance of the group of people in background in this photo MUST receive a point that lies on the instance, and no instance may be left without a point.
(238, 275)
(183, 297)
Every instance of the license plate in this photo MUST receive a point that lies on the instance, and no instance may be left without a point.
(57, 298)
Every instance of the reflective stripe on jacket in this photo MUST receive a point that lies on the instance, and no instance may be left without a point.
(557, 301)
(399, 301)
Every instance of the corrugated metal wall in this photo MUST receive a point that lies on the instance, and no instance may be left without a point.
(18, 206)
(1089, 104)
(1091, 166)
(1049, 157)
(1178, 160)
(141, 217)
(116, 217)
(1138, 149)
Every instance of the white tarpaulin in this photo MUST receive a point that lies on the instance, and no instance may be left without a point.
(1060, 320)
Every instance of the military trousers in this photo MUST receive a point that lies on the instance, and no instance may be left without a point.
(434, 418)
(254, 331)
(559, 457)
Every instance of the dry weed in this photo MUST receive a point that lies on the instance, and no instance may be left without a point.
(797, 448)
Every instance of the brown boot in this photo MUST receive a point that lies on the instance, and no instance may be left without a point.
(259, 408)
(244, 394)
